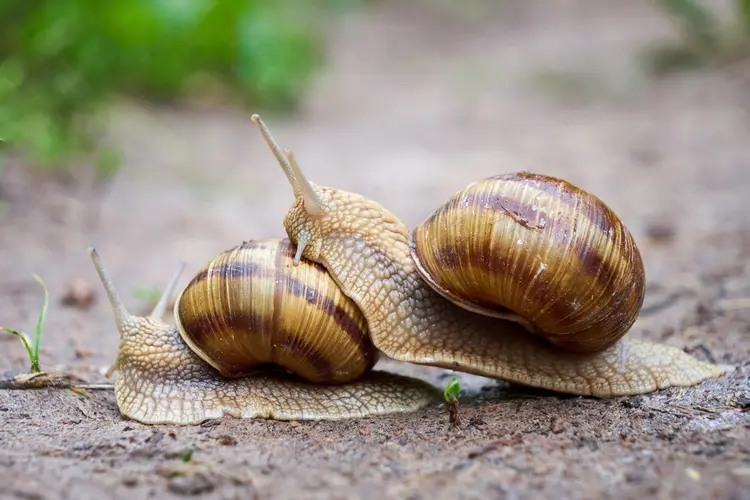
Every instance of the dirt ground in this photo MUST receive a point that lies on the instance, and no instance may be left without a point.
(414, 103)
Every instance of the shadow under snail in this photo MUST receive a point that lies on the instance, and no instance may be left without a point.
(520, 277)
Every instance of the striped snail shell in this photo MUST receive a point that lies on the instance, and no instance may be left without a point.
(537, 250)
(250, 307)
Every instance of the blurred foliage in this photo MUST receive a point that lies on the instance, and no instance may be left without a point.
(707, 40)
(60, 61)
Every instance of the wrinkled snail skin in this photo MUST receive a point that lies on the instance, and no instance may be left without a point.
(365, 248)
(162, 381)
(539, 248)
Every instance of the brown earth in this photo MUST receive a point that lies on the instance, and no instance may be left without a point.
(415, 102)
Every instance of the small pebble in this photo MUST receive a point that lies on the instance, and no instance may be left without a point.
(227, 440)
(693, 474)
(130, 481)
(78, 294)
(660, 231)
(190, 485)
(155, 437)
(81, 352)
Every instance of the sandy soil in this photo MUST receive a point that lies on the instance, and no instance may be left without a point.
(415, 103)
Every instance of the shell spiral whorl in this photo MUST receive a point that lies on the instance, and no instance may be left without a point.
(538, 250)
(250, 306)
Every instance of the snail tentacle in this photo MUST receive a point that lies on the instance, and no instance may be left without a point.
(277, 152)
(296, 178)
(161, 305)
(312, 202)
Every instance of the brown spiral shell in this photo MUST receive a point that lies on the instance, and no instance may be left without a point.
(538, 250)
(250, 306)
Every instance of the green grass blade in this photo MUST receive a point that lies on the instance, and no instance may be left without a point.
(25, 344)
(39, 326)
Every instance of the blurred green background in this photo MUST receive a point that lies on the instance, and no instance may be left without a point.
(61, 61)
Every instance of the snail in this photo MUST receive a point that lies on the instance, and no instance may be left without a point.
(254, 336)
(556, 270)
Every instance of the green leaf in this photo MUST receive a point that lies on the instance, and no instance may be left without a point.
(452, 390)
(25, 344)
(39, 325)
(187, 456)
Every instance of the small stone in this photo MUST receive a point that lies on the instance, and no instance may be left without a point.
(589, 442)
(130, 481)
(556, 427)
(227, 440)
(635, 402)
(190, 485)
(693, 474)
(81, 352)
(78, 294)
(660, 230)
(156, 437)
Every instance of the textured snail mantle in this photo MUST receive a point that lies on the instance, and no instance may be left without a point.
(522, 240)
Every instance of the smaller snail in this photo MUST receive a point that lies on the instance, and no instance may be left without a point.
(255, 336)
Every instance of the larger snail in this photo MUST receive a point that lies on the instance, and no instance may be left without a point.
(556, 274)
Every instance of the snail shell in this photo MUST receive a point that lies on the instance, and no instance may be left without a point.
(250, 306)
(537, 250)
